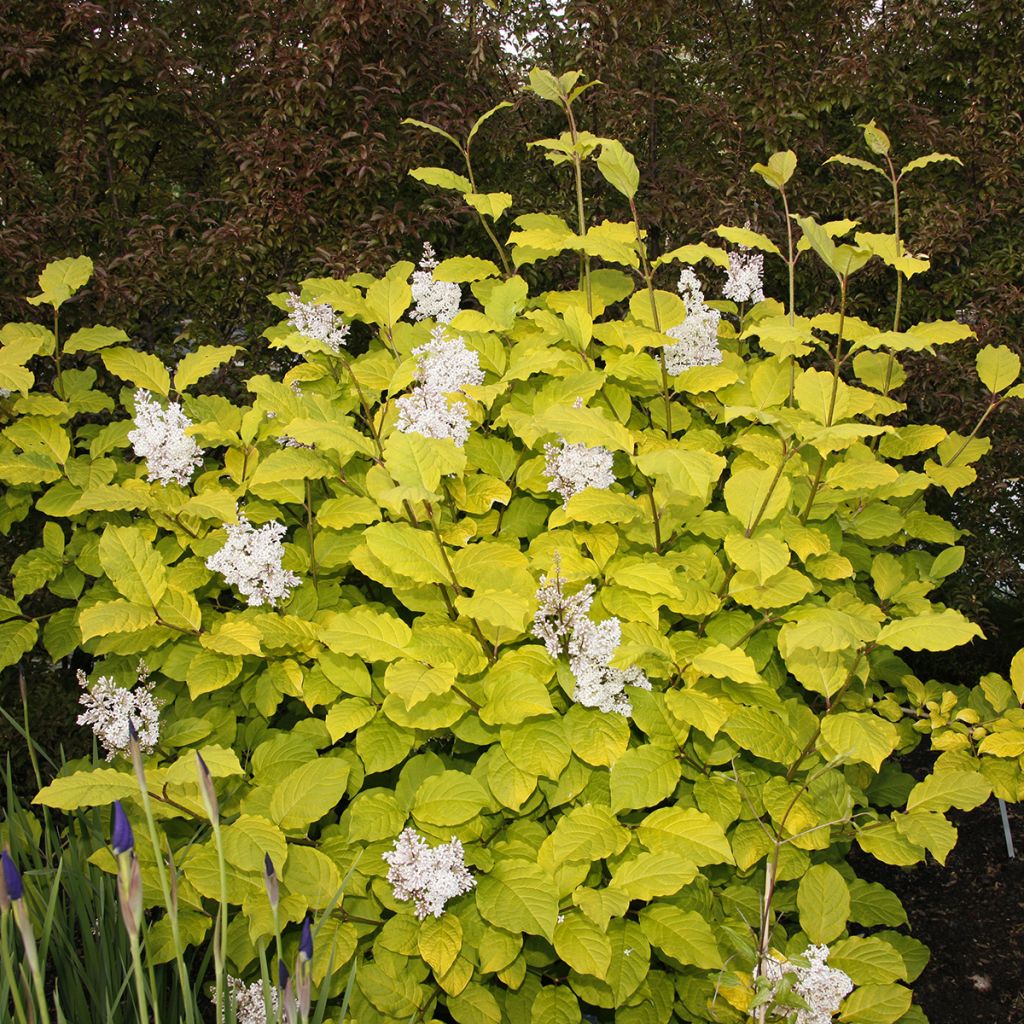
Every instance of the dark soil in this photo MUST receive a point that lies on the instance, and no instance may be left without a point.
(970, 914)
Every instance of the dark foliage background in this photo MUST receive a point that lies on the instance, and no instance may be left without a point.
(206, 152)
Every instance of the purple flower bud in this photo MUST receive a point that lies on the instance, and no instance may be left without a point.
(12, 879)
(306, 940)
(122, 839)
(270, 881)
(133, 733)
(282, 975)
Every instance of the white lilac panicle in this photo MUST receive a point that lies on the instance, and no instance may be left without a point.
(437, 299)
(697, 335)
(745, 277)
(429, 875)
(317, 320)
(562, 623)
(251, 561)
(822, 987)
(159, 437)
(248, 1001)
(109, 709)
(558, 613)
(572, 468)
(445, 366)
(432, 415)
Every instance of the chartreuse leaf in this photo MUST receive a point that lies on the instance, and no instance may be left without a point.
(643, 776)
(61, 279)
(440, 177)
(649, 874)
(475, 1004)
(930, 631)
(779, 169)
(686, 831)
(582, 945)
(92, 339)
(204, 360)
(823, 900)
(369, 634)
(450, 798)
(868, 960)
(88, 789)
(114, 617)
(440, 941)
(876, 1004)
(756, 496)
(998, 367)
(859, 736)
(490, 204)
(555, 1004)
(132, 565)
(309, 792)
(944, 789)
(748, 239)
(683, 935)
(519, 896)
(139, 368)
(618, 167)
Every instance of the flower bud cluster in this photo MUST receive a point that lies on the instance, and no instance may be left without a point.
(317, 320)
(159, 437)
(251, 561)
(248, 1001)
(744, 282)
(445, 366)
(429, 875)
(110, 711)
(562, 623)
(437, 299)
(697, 335)
(822, 987)
(572, 468)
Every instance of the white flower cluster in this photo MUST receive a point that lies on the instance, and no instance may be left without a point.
(697, 335)
(4, 393)
(110, 708)
(251, 560)
(822, 987)
(430, 876)
(562, 623)
(575, 467)
(437, 299)
(248, 1001)
(745, 277)
(445, 366)
(159, 437)
(317, 320)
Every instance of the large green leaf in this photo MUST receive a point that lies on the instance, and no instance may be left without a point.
(683, 935)
(823, 900)
(519, 896)
(132, 565)
(306, 794)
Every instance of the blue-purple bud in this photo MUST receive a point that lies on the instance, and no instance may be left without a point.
(270, 881)
(306, 939)
(133, 733)
(282, 975)
(122, 839)
(12, 878)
